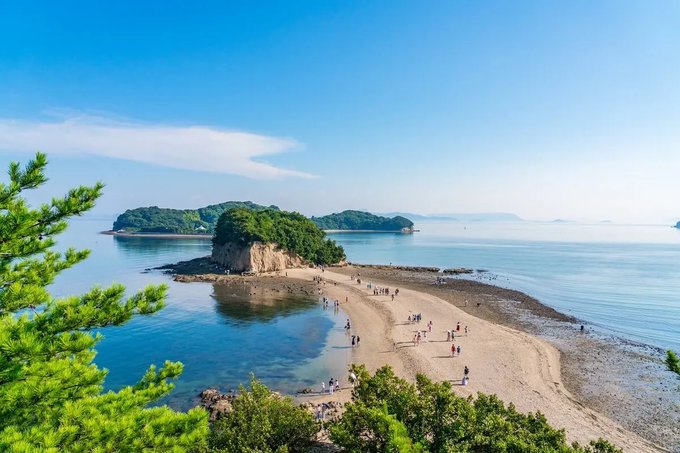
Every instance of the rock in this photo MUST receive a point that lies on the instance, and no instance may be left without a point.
(219, 409)
(457, 271)
(216, 403)
(255, 258)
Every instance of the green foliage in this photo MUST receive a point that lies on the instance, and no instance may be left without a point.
(439, 421)
(290, 230)
(50, 391)
(178, 221)
(672, 362)
(358, 220)
(372, 429)
(264, 422)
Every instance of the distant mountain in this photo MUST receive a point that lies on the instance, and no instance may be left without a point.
(178, 221)
(474, 217)
(360, 220)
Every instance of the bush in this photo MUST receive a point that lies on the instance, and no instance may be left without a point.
(263, 421)
(436, 420)
(672, 362)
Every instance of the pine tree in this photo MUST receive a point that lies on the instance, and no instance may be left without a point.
(51, 394)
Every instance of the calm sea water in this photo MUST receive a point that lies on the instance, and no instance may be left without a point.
(219, 334)
(623, 278)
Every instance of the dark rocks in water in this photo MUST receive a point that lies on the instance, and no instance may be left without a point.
(216, 403)
(457, 271)
(398, 268)
(305, 391)
(196, 266)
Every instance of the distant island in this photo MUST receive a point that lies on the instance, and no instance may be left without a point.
(460, 217)
(362, 221)
(270, 240)
(153, 220)
(178, 221)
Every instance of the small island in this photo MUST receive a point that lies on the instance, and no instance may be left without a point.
(363, 221)
(269, 240)
(152, 219)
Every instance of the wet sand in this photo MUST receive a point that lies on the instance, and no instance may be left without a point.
(518, 348)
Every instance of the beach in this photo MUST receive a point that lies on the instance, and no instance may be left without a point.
(527, 353)
(520, 368)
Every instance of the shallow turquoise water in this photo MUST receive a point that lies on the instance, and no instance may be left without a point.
(219, 335)
(622, 278)
(625, 279)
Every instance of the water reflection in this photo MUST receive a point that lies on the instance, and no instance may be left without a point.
(156, 246)
(239, 304)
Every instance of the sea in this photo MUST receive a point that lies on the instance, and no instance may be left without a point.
(620, 279)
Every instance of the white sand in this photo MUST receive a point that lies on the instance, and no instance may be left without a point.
(517, 367)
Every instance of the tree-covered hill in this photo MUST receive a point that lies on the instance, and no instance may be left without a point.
(359, 220)
(178, 221)
(290, 230)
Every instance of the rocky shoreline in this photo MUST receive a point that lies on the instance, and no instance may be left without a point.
(623, 380)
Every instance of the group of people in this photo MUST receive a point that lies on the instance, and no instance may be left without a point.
(320, 411)
(333, 385)
(451, 334)
(325, 301)
(415, 318)
(378, 291)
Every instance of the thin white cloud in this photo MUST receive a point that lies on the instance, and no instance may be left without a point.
(197, 148)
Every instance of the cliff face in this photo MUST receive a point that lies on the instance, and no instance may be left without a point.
(255, 258)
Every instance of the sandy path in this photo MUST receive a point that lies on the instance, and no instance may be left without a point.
(516, 366)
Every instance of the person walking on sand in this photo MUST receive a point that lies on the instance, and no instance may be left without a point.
(458, 327)
(429, 327)
(458, 350)
(448, 336)
(466, 371)
(466, 331)
(330, 386)
(353, 341)
(358, 340)
(453, 350)
(323, 387)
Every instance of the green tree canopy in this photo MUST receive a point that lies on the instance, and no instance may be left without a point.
(289, 230)
(263, 421)
(51, 396)
(178, 221)
(435, 419)
(359, 220)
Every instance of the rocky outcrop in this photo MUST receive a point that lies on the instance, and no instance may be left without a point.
(255, 258)
(216, 403)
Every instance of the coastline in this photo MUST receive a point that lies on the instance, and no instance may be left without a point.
(519, 367)
(579, 381)
(625, 381)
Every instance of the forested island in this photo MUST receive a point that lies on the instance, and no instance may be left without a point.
(246, 239)
(178, 221)
(152, 219)
(364, 221)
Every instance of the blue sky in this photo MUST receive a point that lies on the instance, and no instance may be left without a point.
(563, 109)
